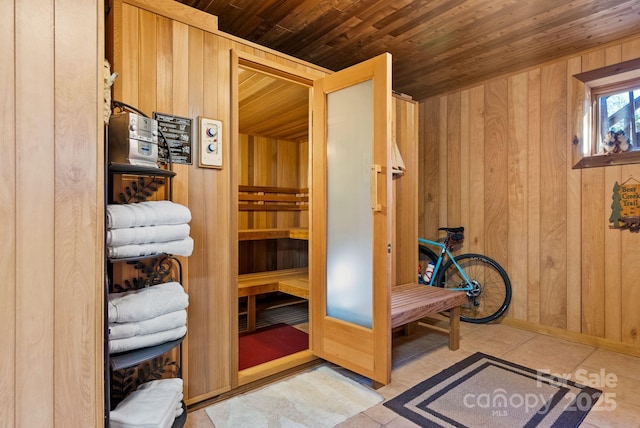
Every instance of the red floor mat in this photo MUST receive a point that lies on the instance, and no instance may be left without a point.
(270, 343)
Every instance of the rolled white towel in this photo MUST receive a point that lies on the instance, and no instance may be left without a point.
(183, 247)
(148, 234)
(148, 213)
(146, 303)
(123, 330)
(145, 340)
(152, 405)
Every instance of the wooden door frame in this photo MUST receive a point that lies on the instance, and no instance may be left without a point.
(280, 71)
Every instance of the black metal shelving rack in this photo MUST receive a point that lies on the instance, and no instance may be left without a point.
(135, 357)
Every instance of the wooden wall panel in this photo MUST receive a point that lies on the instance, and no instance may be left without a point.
(629, 292)
(569, 270)
(453, 146)
(35, 209)
(443, 161)
(574, 202)
(496, 134)
(594, 216)
(553, 214)
(474, 230)
(534, 261)
(609, 314)
(406, 192)
(78, 214)
(517, 190)
(429, 179)
(465, 161)
(51, 195)
(8, 216)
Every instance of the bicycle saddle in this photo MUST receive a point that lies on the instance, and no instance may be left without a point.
(452, 229)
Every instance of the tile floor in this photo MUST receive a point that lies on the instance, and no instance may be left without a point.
(423, 354)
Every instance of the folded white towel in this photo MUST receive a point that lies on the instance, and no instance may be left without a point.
(183, 247)
(145, 340)
(152, 405)
(123, 330)
(146, 303)
(145, 235)
(179, 408)
(149, 213)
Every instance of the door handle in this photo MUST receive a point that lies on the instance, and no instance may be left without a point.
(375, 170)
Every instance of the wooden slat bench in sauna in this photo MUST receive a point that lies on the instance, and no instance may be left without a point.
(264, 198)
(290, 281)
(294, 281)
(413, 302)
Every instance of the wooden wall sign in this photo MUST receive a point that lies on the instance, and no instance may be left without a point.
(625, 208)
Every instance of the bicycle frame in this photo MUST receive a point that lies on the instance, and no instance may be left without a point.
(444, 250)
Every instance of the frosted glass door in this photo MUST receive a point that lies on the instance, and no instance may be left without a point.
(349, 219)
(350, 252)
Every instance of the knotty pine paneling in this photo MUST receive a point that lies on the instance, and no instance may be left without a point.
(545, 222)
(176, 62)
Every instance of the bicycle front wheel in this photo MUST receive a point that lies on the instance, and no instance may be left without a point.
(489, 294)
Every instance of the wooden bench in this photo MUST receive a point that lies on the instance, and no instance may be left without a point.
(266, 198)
(290, 281)
(412, 302)
(273, 199)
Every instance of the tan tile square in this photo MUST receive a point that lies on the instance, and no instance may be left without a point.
(415, 371)
(401, 422)
(623, 416)
(392, 389)
(621, 364)
(198, 419)
(381, 414)
(495, 339)
(549, 354)
(359, 421)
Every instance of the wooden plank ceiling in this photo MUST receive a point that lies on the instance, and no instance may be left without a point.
(272, 107)
(437, 45)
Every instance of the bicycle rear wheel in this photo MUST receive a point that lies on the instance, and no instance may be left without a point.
(425, 255)
(491, 293)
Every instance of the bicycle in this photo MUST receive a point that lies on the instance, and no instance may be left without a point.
(485, 282)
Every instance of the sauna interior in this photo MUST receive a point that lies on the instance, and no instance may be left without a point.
(273, 211)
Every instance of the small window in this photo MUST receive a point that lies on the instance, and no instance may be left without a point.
(606, 116)
(618, 118)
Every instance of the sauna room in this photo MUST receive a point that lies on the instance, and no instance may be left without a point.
(273, 211)
(491, 130)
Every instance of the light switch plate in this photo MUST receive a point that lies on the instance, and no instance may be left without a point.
(210, 143)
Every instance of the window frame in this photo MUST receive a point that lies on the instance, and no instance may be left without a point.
(588, 86)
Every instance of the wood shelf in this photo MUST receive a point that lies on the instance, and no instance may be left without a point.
(257, 234)
(125, 168)
(268, 198)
